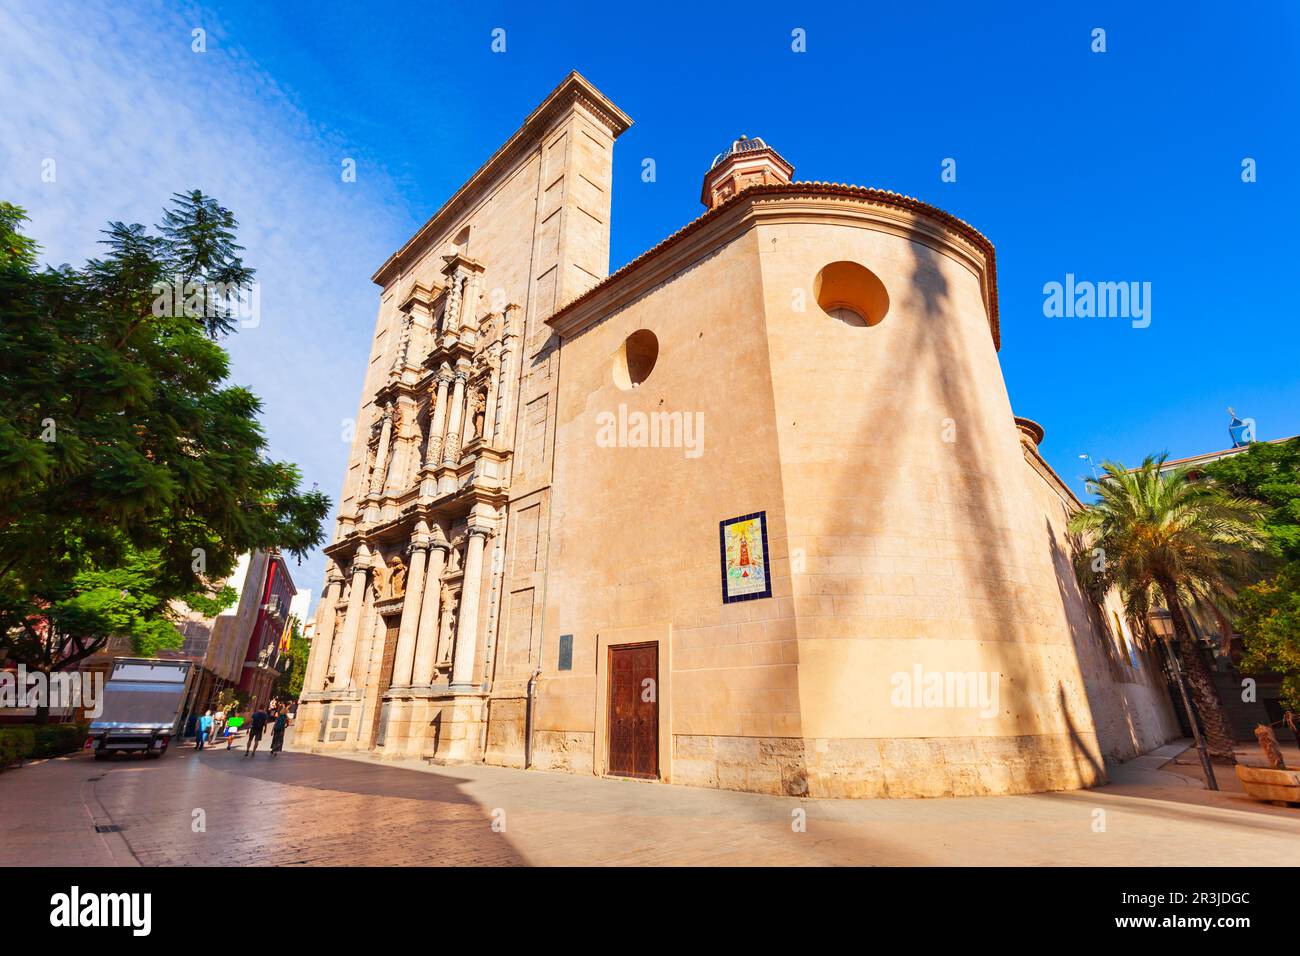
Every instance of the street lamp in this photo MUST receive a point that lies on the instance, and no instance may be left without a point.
(1162, 622)
(1088, 458)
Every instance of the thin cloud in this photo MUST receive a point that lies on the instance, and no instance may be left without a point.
(129, 114)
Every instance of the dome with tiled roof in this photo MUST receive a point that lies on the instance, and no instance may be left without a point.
(743, 144)
(748, 161)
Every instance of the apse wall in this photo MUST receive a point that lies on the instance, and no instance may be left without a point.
(921, 573)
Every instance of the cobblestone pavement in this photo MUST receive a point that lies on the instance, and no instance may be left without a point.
(222, 808)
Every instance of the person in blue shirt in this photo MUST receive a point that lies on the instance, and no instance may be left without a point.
(204, 729)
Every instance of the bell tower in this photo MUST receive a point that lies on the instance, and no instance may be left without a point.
(745, 162)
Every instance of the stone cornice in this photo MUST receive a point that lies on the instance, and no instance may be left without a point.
(420, 295)
(1030, 430)
(574, 90)
(1048, 474)
(792, 202)
(401, 528)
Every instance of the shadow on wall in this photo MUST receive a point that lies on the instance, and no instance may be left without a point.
(1096, 774)
(1099, 660)
(975, 499)
(436, 736)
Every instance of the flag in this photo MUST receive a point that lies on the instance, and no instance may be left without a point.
(284, 637)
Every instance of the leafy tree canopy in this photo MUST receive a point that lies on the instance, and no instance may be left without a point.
(1269, 610)
(1269, 473)
(132, 474)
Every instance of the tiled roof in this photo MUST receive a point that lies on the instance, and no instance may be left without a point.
(830, 190)
(745, 144)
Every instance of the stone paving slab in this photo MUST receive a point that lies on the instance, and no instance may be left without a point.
(302, 809)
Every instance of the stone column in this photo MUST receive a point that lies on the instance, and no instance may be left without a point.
(509, 380)
(404, 659)
(426, 640)
(462, 671)
(323, 643)
(437, 420)
(352, 621)
(451, 314)
(451, 445)
(403, 347)
(490, 399)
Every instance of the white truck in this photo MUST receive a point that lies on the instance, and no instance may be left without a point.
(144, 701)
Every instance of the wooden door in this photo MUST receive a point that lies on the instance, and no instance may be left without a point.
(634, 710)
(387, 663)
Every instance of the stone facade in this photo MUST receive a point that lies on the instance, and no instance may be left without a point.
(824, 356)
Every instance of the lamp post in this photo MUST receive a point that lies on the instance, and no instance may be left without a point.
(1163, 624)
(1088, 458)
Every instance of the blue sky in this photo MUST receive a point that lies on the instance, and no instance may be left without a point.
(1117, 166)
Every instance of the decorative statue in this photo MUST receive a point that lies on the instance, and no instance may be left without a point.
(479, 405)
(396, 577)
(379, 581)
(446, 638)
(1268, 743)
(453, 555)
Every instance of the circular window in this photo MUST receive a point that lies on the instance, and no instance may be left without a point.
(635, 359)
(851, 293)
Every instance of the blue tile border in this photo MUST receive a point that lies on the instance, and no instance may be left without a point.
(722, 558)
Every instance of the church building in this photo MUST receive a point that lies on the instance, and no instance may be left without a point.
(753, 512)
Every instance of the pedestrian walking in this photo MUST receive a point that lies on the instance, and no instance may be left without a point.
(201, 732)
(256, 724)
(277, 730)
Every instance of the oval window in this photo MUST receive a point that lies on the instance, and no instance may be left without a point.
(635, 359)
(851, 293)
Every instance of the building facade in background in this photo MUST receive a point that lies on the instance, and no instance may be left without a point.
(239, 648)
(267, 594)
(754, 512)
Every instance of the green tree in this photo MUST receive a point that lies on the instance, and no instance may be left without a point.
(132, 474)
(1269, 610)
(1166, 540)
(1269, 622)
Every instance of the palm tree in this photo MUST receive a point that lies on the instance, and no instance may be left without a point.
(1168, 541)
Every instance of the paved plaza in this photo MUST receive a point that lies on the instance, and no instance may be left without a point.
(221, 808)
